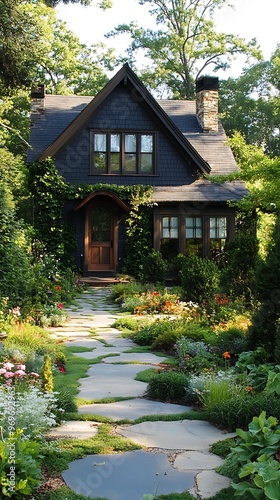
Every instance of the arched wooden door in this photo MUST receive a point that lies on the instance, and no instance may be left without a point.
(101, 236)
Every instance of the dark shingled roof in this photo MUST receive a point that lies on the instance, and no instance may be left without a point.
(59, 112)
(212, 147)
(200, 191)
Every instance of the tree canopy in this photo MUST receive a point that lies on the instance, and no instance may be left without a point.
(185, 44)
(251, 104)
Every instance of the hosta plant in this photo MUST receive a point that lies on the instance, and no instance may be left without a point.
(258, 453)
(19, 466)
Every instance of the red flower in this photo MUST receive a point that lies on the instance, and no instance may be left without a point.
(58, 287)
(61, 369)
(60, 306)
(156, 293)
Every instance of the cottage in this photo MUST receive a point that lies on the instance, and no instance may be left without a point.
(124, 136)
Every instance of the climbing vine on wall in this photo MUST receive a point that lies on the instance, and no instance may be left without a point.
(50, 194)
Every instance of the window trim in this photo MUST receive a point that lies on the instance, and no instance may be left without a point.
(137, 172)
(165, 211)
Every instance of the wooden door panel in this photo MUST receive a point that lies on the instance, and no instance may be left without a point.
(101, 221)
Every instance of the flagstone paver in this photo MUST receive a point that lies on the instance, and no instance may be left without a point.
(129, 475)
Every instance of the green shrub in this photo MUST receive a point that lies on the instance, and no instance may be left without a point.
(256, 452)
(154, 268)
(239, 411)
(20, 476)
(177, 264)
(165, 341)
(46, 374)
(199, 279)
(168, 386)
(238, 276)
(233, 340)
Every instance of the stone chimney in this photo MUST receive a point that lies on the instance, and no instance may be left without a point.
(38, 99)
(207, 97)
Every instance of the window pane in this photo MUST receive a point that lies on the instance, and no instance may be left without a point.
(190, 222)
(218, 227)
(165, 232)
(115, 143)
(189, 233)
(146, 143)
(165, 221)
(174, 223)
(170, 227)
(99, 142)
(222, 227)
(130, 143)
(100, 162)
(146, 163)
(115, 162)
(174, 233)
(130, 162)
(194, 247)
(169, 249)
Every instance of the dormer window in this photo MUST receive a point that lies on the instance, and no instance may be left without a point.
(125, 153)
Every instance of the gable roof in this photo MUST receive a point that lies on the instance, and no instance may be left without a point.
(83, 111)
(65, 116)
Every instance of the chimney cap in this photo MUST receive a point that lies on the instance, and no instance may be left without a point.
(207, 83)
(38, 92)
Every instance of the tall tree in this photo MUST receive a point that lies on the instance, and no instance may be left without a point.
(20, 36)
(250, 104)
(185, 45)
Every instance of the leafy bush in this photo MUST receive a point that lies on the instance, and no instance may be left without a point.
(19, 467)
(186, 346)
(238, 276)
(154, 268)
(168, 386)
(232, 340)
(239, 411)
(257, 453)
(199, 279)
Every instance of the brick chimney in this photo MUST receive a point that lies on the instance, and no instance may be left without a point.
(38, 99)
(207, 97)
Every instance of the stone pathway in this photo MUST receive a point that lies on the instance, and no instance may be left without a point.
(175, 456)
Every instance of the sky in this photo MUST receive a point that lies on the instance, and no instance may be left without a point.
(250, 19)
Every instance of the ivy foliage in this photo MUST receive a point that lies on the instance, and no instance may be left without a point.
(50, 194)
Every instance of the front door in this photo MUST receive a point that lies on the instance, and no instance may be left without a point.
(101, 237)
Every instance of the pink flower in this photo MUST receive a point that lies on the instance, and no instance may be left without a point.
(21, 367)
(8, 365)
(33, 374)
(2, 371)
(9, 382)
(60, 306)
(19, 373)
(8, 374)
(16, 311)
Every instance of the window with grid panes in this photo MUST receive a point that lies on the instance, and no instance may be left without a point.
(218, 235)
(122, 153)
(194, 236)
